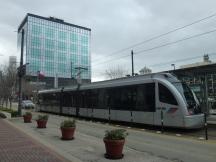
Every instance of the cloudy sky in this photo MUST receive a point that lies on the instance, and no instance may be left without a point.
(119, 24)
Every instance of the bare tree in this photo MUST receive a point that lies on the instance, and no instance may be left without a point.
(145, 70)
(115, 72)
(7, 84)
(29, 89)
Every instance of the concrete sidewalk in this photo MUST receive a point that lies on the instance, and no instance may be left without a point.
(85, 147)
(16, 146)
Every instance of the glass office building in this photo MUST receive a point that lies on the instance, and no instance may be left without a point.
(56, 48)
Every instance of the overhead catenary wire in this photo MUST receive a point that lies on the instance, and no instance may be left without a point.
(158, 36)
(179, 60)
(175, 61)
(156, 47)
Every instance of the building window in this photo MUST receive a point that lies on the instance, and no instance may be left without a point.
(49, 44)
(35, 42)
(35, 53)
(49, 55)
(61, 67)
(49, 66)
(36, 30)
(84, 50)
(62, 35)
(73, 37)
(73, 48)
(49, 33)
(35, 66)
(84, 40)
(84, 60)
(62, 57)
(62, 46)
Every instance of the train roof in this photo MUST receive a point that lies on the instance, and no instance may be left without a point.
(117, 82)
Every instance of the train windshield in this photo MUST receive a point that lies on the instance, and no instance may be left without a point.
(188, 95)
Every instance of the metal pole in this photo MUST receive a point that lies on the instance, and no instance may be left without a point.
(109, 114)
(206, 126)
(79, 82)
(131, 114)
(20, 76)
(132, 62)
(71, 70)
(61, 101)
(206, 94)
(78, 87)
(162, 122)
(38, 73)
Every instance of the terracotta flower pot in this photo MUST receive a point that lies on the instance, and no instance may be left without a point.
(41, 123)
(114, 148)
(68, 133)
(27, 118)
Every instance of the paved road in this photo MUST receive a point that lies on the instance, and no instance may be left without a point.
(140, 145)
(173, 148)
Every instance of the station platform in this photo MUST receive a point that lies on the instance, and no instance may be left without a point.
(16, 146)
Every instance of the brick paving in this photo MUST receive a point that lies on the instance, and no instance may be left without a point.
(15, 146)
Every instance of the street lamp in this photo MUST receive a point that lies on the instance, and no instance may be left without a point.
(173, 65)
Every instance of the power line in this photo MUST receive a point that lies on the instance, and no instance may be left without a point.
(160, 46)
(161, 35)
(179, 60)
(180, 40)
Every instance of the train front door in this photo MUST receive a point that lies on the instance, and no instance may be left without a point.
(167, 110)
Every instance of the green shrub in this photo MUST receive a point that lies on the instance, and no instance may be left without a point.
(116, 134)
(68, 123)
(2, 115)
(28, 114)
(42, 117)
(12, 112)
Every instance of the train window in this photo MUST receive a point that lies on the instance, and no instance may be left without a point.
(94, 98)
(166, 96)
(66, 99)
(51, 99)
(145, 97)
(102, 100)
(138, 98)
(127, 98)
(114, 98)
(87, 99)
(73, 99)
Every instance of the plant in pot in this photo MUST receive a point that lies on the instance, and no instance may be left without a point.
(42, 121)
(67, 129)
(114, 142)
(27, 117)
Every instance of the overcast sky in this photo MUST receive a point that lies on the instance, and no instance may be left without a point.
(118, 24)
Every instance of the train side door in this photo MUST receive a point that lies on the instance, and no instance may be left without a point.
(166, 107)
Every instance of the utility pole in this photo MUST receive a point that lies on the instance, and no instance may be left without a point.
(79, 79)
(132, 62)
(79, 82)
(20, 76)
(173, 66)
(206, 95)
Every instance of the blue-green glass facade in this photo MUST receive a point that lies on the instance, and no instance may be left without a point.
(56, 48)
